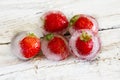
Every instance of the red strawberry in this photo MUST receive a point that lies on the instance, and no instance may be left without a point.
(84, 44)
(55, 47)
(26, 45)
(83, 21)
(55, 21)
(30, 45)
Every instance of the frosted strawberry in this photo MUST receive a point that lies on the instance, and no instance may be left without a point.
(25, 45)
(55, 47)
(84, 44)
(54, 22)
(83, 21)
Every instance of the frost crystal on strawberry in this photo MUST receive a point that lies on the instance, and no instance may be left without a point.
(25, 45)
(54, 22)
(55, 47)
(84, 44)
(83, 21)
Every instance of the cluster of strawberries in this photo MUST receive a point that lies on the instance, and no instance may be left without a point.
(61, 38)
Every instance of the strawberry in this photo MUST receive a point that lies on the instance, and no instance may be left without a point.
(25, 45)
(55, 47)
(30, 46)
(83, 21)
(84, 44)
(55, 21)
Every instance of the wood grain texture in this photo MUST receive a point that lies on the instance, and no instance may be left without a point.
(24, 15)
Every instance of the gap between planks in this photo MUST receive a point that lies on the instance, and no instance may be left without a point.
(104, 29)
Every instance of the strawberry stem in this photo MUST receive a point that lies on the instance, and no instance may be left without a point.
(74, 19)
(85, 36)
(49, 36)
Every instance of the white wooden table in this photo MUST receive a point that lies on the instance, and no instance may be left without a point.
(21, 15)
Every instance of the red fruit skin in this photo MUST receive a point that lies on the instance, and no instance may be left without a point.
(83, 23)
(30, 46)
(56, 49)
(96, 43)
(58, 46)
(84, 48)
(55, 21)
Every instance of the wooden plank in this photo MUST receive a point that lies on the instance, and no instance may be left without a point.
(27, 14)
(7, 57)
(109, 56)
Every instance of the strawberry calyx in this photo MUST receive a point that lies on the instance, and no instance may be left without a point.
(31, 35)
(74, 19)
(49, 36)
(85, 36)
(43, 20)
